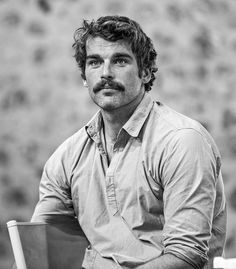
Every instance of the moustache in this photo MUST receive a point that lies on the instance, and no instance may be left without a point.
(103, 84)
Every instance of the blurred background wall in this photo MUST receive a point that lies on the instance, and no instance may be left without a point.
(42, 100)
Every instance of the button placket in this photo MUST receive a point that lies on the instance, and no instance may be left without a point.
(111, 195)
(110, 175)
(110, 184)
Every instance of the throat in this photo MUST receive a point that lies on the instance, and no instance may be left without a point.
(109, 150)
(108, 145)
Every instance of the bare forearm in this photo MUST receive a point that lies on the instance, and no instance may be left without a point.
(167, 261)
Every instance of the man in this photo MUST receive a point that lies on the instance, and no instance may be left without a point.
(141, 180)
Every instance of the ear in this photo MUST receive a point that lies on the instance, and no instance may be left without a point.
(85, 83)
(146, 75)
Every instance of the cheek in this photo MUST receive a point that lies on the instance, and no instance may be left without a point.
(91, 79)
(132, 80)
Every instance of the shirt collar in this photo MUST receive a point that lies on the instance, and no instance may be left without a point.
(132, 126)
(94, 126)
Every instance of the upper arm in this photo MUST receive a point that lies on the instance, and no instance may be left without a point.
(55, 202)
(189, 180)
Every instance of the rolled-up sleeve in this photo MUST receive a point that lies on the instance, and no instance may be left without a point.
(55, 202)
(189, 176)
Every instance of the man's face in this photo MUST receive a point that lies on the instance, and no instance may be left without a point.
(111, 73)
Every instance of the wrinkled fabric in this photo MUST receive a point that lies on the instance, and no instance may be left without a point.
(161, 193)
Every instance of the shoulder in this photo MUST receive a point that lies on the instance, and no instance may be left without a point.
(59, 166)
(66, 152)
(174, 120)
(166, 120)
(170, 128)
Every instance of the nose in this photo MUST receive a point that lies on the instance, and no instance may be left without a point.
(107, 71)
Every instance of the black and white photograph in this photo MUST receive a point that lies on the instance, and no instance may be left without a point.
(117, 134)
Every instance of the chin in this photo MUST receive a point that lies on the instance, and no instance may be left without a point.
(108, 105)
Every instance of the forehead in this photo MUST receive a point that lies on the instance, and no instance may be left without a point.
(100, 46)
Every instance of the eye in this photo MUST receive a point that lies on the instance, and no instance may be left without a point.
(94, 63)
(121, 61)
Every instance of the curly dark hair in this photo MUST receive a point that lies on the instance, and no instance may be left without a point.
(113, 28)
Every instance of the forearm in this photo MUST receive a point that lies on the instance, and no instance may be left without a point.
(166, 261)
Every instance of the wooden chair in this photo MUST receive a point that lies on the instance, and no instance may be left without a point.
(37, 245)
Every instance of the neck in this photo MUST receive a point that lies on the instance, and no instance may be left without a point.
(114, 120)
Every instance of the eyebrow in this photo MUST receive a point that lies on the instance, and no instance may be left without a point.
(122, 55)
(92, 56)
(116, 55)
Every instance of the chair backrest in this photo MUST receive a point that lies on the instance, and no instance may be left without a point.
(37, 245)
(220, 262)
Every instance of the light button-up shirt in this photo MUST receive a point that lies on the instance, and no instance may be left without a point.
(161, 193)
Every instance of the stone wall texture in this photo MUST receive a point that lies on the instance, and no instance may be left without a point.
(42, 100)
